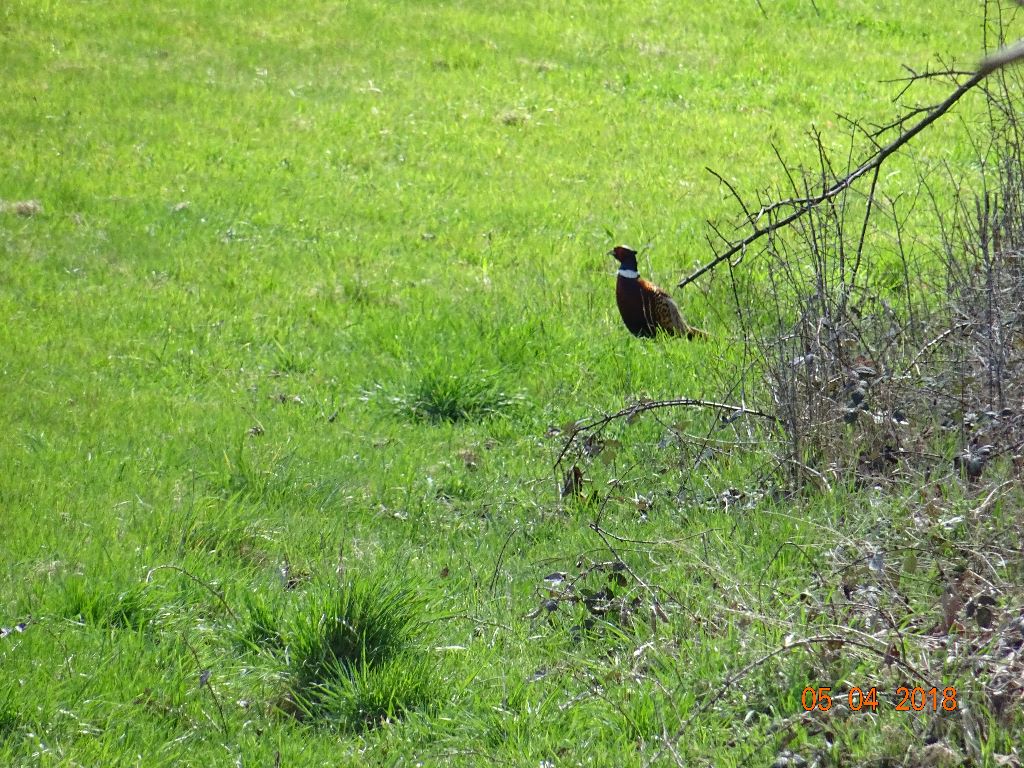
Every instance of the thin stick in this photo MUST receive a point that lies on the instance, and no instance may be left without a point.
(501, 556)
(204, 681)
(638, 408)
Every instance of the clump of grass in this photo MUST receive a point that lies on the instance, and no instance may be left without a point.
(224, 536)
(353, 656)
(106, 606)
(262, 628)
(439, 395)
(10, 718)
(370, 696)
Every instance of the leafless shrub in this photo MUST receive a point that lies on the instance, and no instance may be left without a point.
(899, 364)
(884, 361)
(884, 356)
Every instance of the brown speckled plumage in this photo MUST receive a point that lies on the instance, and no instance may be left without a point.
(646, 308)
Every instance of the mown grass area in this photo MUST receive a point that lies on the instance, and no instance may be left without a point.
(288, 351)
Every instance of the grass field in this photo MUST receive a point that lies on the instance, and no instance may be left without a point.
(287, 351)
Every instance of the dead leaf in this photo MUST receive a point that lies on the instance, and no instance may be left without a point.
(892, 655)
(573, 483)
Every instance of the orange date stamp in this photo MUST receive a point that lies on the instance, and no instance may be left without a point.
(905, 700)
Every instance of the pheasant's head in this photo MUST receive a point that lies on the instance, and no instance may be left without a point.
(625, 255)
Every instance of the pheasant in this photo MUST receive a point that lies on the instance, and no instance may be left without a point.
(646, 308)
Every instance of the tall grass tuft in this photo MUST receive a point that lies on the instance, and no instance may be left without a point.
(370, 696)
(355, 659)
(440, 395)
(261, 628)
(106, 606)
(10, 719)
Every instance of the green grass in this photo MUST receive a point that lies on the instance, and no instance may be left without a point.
(349, 651)
(309, 286)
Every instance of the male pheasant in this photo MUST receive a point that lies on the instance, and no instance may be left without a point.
(646, 308)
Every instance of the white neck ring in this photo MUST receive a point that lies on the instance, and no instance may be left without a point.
(632, 274)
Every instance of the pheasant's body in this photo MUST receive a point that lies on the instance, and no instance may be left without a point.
(646, 308)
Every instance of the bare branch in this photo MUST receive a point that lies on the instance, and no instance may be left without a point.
(808, 203)
(732, 189)
(1001, 58)
(650, 405)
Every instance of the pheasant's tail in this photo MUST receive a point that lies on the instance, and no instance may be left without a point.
(676, 324)
(692, 332)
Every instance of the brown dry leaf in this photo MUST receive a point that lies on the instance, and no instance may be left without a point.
(573, 483)
(892, 654)
(951, 603)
